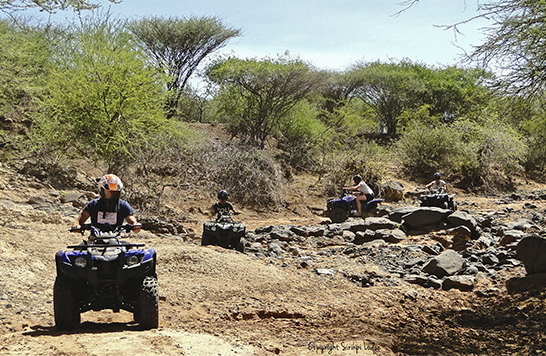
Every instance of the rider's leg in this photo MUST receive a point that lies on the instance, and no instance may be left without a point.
(359, 201)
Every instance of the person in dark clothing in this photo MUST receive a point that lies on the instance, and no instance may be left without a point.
(108, 211)
(223, 207)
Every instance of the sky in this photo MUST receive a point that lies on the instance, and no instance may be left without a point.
(330, 34)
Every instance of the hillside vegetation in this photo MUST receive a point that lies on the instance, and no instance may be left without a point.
(118, 92)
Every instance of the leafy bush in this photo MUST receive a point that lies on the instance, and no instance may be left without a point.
(367, 159)
(481, 156)
(423, 151)
(103, 97)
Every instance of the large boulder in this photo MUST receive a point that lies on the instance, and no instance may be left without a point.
(374, 224)
(447, 263)
(425, 216)
(396, 214)
(531, 250)
(392, 191)
(460, 218)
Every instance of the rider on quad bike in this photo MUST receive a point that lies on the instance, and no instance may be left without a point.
(438, 196)
(108, 211)
(105, 272)
(361, 190)
(437, 185)
(224, 231)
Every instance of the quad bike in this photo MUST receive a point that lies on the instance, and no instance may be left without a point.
(339, 209)
(105, 273)
(224, 232)
(439, 199)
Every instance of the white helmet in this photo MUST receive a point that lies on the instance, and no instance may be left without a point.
(112, 183)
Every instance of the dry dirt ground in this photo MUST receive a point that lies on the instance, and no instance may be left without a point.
(222, 302)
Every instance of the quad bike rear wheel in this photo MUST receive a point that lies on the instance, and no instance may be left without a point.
(67, 314)
(338, 215)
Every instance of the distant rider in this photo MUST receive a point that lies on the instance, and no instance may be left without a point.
(108, 211)
(223, 207)
(362, 191)
(437, 185)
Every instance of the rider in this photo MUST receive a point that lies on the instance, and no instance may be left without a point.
(362, 191)
(437, 185)
(223, 207)
(108, 211)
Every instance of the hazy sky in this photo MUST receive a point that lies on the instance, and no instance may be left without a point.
(331, 34)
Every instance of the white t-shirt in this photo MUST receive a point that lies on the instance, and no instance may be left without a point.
(364, 188)
(436, 185)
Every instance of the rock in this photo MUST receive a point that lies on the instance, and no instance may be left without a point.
(447, 263)
(392, 191)
(511, 236)
(393, 236)
(531, 250)
(396, 214)
(536, 282)
(463, 283)
(425, 217)
(459, 218)
(374, 223)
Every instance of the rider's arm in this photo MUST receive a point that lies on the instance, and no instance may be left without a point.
(80, 220)
(133, 221)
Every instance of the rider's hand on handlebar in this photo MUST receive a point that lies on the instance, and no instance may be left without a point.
(137, 227)
(76, 228)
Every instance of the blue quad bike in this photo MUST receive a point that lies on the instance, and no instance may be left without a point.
(106, 273)
(339, 209)
(224, 232)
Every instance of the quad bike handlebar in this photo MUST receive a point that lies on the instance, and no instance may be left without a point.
(96, 231)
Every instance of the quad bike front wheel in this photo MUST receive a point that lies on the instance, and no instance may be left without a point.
(338, 215)
(147, 311)
(67, 314)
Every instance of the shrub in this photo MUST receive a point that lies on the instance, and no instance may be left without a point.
(367, 159)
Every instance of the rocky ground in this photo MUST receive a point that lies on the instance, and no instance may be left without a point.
(304, 286)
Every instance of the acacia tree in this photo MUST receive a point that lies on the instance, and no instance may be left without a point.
(257, 94)
(51, 6)
(388, 89)
(103, 98)
(177, 46)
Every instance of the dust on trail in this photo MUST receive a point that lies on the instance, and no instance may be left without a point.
(104, 340)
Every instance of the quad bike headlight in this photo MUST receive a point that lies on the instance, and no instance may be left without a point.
(235, 229)
(132, 260)
(213, 228)
(80, 261)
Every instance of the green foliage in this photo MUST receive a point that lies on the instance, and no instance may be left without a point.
(395, 90)
(177, 46)
(24, 58)
(514, 45)
(423, 151)
(486, 156)
(299, 134)
(258, 94)
(367, 159)
(102, 99)
(50, 6)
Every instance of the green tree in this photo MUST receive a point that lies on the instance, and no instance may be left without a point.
(257, 94)
(178, 46)
(24, 59)
(103, 98)
(388, 89)
(51, 6)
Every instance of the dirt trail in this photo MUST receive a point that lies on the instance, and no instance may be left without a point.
(221, 302)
